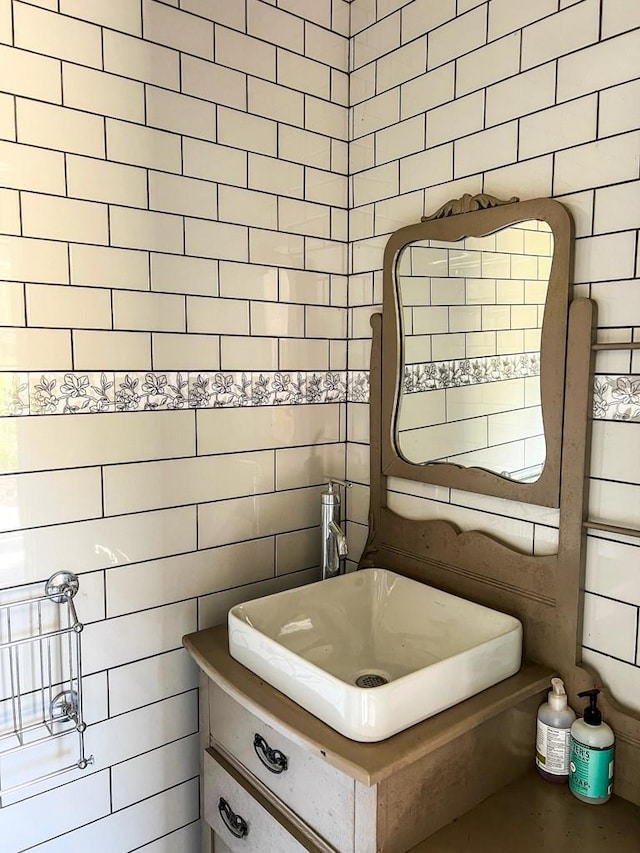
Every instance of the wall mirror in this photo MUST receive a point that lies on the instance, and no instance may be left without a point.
(474, 344)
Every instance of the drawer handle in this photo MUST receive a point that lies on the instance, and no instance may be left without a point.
(273, 759)
(235, 824)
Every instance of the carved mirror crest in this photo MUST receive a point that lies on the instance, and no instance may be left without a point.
(475, 309)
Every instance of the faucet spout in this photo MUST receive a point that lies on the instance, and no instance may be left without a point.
(334, 541)
(340, 539)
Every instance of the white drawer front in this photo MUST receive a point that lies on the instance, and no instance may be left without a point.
(318, 793)
(223, 794)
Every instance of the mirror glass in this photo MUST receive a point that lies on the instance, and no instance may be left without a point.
(470, 319)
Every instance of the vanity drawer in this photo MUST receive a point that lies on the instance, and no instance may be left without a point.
(319, 794)
(237, 815)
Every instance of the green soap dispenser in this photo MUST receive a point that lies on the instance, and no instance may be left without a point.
(591, 754)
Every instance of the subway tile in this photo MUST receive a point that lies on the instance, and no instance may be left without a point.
(302, 146)
(362, 84)
(58, 127)
(191, 575)
(597, 164)
(488, 64)
(275, 102)
(51, 305)
(616, 208)
(427, 91)
(328, 47)
(214, 82)
(7, 117)
(271, 319)
(6, 22)
(100, 180)
(174, 482)
(137, 311)
(105, 94)
(275, 26)
(141, 60)
(340, 22)
(220, 11)
(606, 258)
(377, 40)
(111, 350)
(619, 109)
(432, 166)
(339, 87)
(12, 302)
(457, 37)
(606, 64)
(33, 260)
(394, 213)
(107, 267)
(621, 678)
(421, 16)
(143, 146)
(35, 349)
(180, 113)
(251, 518)
(244, 353)
(559, 127)
(304, 354)
(247, 207)
(191, 352)
(215, 240)
(612, 569)
(453, 120)
(276, 248)
(119, 15)
(618, 16)
(374, 184)
(277, 176)
(505, 16)
(180, 841)
(486, 150)
(533, 178)
(211, 316)
(524, 93)
(302, 217)
(214, 162)
(226, 430)
(560, 34)
(610, 627)
(178, 274)
(250, 133)
(150, 680)
(326, 187)
(245, 53)
(304, 286)
(50, 34)
(162, 768)
(30, 75)
(399, 140)
(177, 29)
(142, 229)
(379, 112)
(297, 467)
(323, 117)
(177, 194)
(298, 550)
(93, 802)
(362, 153)
(27, 168)
(401, 65)
(326, 255)
(63, 219)
(249, 281)
(320, 12)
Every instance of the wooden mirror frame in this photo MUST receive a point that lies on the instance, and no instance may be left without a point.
(477, 216)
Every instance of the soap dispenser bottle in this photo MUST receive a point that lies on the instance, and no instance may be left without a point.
(591, 754)
(552, 735)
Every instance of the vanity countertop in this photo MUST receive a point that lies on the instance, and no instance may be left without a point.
(368, 763)
(532, 815)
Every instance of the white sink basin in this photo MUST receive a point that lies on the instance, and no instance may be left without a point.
(432, 649)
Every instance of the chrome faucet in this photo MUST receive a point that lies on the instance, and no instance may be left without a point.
(334, 542)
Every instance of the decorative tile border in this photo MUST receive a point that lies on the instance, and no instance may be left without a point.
(431, 375)
(82, 393)
(616, 398)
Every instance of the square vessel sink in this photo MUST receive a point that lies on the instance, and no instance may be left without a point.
(371, 653)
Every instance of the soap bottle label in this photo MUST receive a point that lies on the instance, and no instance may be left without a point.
(590, 770)
(552, 749)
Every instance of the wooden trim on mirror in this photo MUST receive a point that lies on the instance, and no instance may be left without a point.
(478, 216)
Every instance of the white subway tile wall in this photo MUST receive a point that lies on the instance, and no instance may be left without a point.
(511, 98)
(173, 236)
(192, 222)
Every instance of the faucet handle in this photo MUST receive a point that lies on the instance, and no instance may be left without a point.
(338, 482)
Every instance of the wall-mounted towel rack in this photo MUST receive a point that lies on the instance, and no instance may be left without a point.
(40, 684)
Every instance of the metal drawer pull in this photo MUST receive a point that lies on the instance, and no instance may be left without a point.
(235, 824)
(273, 759)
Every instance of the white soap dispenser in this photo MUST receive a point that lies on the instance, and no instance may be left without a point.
(552, 735)
(591, 754)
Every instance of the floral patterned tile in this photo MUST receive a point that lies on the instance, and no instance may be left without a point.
(71, 393)
(219, 390)
(358, 386)
(14, 394)
(327, 387)
(616, 398)
(450, 374)
(278, 389)
(151, 391)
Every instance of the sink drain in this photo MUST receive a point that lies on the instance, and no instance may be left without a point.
(371, 679)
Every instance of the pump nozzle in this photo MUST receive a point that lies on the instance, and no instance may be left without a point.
(592, 715)
(558, 687)
(557, 696)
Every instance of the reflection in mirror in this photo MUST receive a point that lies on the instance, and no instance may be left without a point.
(470, 316)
